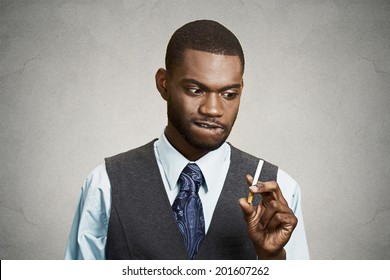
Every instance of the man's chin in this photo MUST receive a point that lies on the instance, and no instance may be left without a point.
(206, 146)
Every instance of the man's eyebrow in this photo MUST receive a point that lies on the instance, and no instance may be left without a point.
(195, 82)
(230, 87)
(203, 86)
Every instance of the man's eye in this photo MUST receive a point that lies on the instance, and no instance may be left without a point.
(229, 94)
(196, 91)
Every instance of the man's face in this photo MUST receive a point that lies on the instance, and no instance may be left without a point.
(203, 97)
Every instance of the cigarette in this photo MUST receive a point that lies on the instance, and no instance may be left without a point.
(255, 179)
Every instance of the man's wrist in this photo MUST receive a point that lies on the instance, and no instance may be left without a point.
(280, 255)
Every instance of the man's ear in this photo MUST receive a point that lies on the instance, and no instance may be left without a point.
(161, 82)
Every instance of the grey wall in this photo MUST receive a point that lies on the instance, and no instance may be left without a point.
(77, 84)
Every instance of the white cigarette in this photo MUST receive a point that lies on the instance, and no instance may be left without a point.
(255, 179)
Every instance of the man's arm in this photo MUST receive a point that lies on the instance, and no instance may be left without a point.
(88, 235)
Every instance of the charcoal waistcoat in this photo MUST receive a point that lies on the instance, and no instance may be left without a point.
(142, 225)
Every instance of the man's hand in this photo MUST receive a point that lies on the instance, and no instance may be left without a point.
(271, 223)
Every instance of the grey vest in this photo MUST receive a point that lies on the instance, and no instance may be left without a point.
(142, 225)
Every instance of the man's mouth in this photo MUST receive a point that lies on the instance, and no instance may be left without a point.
(209, 125)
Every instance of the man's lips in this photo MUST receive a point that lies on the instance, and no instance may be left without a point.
(209, 125)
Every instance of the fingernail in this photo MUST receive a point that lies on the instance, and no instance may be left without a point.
(253, 188)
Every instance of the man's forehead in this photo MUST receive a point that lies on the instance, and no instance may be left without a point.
(197, 53)
(194, 60)
(213, 70)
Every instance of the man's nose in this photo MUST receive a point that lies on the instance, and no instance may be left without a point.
(212, 105)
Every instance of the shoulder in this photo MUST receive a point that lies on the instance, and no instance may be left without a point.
(95, 195)
(240, 158)
(285, 179)
(132, 157)
(98, 174)
(139, 151)
(287, 184)
(97, 184)
(244, 156)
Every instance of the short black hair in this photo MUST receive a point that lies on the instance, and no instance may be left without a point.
(202, 35)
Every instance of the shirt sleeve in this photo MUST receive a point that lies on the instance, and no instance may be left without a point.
(297, 247)
(88, 235)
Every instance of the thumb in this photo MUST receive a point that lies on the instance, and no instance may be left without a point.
(246, 207)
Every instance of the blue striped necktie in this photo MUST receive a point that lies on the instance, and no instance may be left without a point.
(188, 209)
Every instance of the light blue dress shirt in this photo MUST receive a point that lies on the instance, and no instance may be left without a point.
(88, 233)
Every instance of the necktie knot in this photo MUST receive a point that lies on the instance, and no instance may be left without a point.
(191, 178)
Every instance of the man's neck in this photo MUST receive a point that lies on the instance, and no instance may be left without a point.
(188, 151)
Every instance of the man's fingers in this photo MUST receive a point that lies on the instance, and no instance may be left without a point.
(268, 213)
(246, 207)
(249, 179)
(286, 221)
(270, 191)
(271, 209)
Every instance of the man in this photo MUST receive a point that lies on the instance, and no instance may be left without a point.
(178, 197)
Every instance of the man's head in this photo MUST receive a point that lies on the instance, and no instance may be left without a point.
(202, 86)
(202, 35)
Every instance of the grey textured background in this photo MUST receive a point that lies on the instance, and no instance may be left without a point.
(77, 85)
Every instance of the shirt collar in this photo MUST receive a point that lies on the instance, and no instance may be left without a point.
(173, 162)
